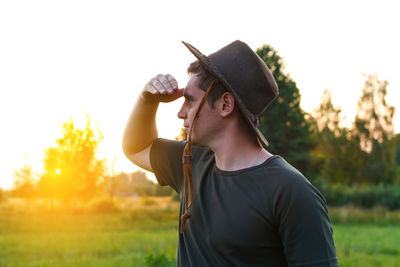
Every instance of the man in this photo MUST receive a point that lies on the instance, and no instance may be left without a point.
(240, 205)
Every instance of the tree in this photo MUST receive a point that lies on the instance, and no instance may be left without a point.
(373, 131)
(71, 167)
(332, 143)
(24, 182)
(328, 116)
(397, 140)
(284, 123)
(373, 122)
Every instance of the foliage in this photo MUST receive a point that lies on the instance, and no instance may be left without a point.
(100, 204)
(175, 196)
(158, 260)
(373, 130)
(352, 215)
(360, 196)
(24, 182)
(146, 201)
(103, 205)
(374, 116)
(163, 190)
(397, 140)
(71, 168)
(328, 116)
(331, 148)
(134, 184)
(284, 123)
(365, 154)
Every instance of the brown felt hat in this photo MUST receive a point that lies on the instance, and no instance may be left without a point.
(246, 76)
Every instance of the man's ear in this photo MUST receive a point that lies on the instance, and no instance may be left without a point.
(226, 105)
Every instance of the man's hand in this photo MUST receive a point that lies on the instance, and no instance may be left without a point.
(162, 88)
(141, 130)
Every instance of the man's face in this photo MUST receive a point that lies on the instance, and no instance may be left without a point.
(207, 121)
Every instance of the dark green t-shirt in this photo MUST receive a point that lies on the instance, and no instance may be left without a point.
(266, 215)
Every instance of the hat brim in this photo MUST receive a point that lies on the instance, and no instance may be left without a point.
(207, 63)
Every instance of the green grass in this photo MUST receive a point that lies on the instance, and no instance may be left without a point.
(367, 245)
(119, 239)
(149, 233)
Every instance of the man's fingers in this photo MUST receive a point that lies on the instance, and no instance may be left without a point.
(163, 88)
(172, 81)
(158, 86)
(165, 83)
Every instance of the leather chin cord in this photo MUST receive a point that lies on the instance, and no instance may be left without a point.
(187, 163)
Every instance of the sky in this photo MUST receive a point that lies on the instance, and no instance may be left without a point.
(63, 59)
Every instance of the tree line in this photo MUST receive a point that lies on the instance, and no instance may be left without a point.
(73, 171)
(319, 146)
(358, 165)
(342, 162)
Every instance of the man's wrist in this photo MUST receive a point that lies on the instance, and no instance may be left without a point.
(149, 98)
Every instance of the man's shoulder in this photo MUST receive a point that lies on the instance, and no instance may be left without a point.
(277, 168)
(279, 177)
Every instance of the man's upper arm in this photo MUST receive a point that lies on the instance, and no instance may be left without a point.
(142, 158)
(305, 228)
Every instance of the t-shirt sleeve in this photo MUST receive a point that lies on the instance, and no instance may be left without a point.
(304, 226)
(166, 162)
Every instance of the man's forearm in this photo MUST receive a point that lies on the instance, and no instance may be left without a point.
(140, 130)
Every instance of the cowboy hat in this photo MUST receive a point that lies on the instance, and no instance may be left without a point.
(246, 76)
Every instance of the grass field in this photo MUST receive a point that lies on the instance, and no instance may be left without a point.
(149, 229)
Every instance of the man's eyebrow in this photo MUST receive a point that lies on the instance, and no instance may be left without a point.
(188, 96)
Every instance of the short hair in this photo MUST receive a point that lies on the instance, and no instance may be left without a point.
(205, 80)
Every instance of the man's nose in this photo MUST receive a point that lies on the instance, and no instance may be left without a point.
(181, 113)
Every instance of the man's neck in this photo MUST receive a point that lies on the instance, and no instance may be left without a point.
(235, 152)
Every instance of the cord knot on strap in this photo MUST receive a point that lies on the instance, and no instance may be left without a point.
(184, 217)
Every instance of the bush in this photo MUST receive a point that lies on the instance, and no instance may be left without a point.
(102, 205)
(148, 201)
(364, 197)
(175, 196)
(158, 260)
(378, 215)
(163, 190)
